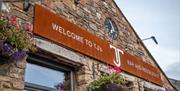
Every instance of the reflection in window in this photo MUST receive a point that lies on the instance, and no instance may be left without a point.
(111, 28)
(47, 77)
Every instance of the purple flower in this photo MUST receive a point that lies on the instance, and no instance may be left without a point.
(7, 49)
(18, 55)
(111, 87)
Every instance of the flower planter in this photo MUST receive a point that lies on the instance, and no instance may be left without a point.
(15, 41)
(111, 87)
(8, 52)
(109, 82)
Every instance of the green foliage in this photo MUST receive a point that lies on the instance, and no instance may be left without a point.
(2, 28)
(115, 78)
(20, 39)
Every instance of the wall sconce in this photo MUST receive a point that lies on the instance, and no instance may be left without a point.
(152, 37)
(76, 1)
(26, 5)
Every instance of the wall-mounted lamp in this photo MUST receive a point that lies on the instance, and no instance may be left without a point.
(152, 37)
(26, 5)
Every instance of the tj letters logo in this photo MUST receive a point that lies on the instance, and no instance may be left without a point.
(117, 60)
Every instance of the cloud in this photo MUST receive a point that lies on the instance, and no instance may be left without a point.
(173, 70)
(161, 20)
(167, 58)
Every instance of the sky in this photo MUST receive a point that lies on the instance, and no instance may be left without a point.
(159, 18)
(38, 75)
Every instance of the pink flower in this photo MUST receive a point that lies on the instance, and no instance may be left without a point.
(111, 70)
(166, 89)
(13, 20)
(29, 27)
(118, 69)
(17, 27)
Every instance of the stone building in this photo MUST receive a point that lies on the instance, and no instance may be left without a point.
(77, 41)
(176, 83)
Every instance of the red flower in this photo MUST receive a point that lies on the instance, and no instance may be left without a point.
(118, 69)
(13, 21)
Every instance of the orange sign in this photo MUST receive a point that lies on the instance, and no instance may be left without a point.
(141, 69)
(63, 32)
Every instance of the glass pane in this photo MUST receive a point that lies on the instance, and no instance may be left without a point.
(47, 77)
(111, 28)
(108, 25)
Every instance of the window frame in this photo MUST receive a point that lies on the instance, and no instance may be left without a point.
(50, 64)
(113, 25)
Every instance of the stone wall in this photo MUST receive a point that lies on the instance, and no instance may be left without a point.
(12, 75)
(90, 15)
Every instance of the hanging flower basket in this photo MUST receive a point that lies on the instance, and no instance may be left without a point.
(113, 82)
(15, 41)
(111, 87)
(10, 52)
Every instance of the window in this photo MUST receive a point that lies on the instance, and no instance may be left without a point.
(47, 77)
(111, 28)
